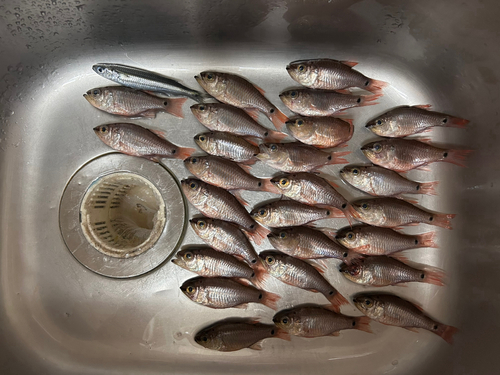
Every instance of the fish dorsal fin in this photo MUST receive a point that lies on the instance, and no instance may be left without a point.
(237, 195)
(412, 329)
(259, 89)
(423, 106)
(252, 112)
(252, 142)
(159, 133)
(350, 63)
(333, 184)
(317, 266)
(247, 168)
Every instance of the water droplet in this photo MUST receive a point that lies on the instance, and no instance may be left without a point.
(56, 33)
(54, 2)
(395, 362)
(11, 68)
(43, 13)
(28, 46)
(80, 7)
(17, 15)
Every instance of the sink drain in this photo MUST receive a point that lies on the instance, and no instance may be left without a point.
(122, 216)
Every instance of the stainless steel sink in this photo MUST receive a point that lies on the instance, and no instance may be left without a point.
(58, 317)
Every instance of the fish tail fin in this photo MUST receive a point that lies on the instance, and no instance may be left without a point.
(336, 157)
(337, 300)
(258, 234)
(369, 100)
(268, 186)
(427, 239)
(433, 276)
(446, 332)
(376, 86)
(282, 334)
(456, 157)
(278, 118)
(184, 152)
(428, 188)
(363, 324)
(260, 275)
(174, 106)
(275, 137)
(456, 122)
(352, 256)
(442, 220)
(270, 300)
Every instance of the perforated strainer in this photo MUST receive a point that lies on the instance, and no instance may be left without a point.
(122, 216)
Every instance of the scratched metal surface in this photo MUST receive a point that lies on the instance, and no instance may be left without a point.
(57, 317)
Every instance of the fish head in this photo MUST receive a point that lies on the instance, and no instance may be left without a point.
(370, 305)
(300, 127)
(288, 320)
(285, 239)
(357, 176)
(350, 237)
(368, 211)
(205, 112)
(194, 290)
(353, 272)
(96, 97)
(188, 259)
(379, 152)
(202, 226)
(261, 214)
(108, 133)
(284, 183)
(273, 262)
(383, 125)
(204, 141)
(273, 152)
(209, 339)
(214, 83)
(304, 72)
(106, 71)
(197, 165)
(295, 99)
(194, 190)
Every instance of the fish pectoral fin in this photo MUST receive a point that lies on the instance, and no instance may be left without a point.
(313, 290)
(259, 89)
(337, 333)
(256, 346)
(154, 158)
(412, 329)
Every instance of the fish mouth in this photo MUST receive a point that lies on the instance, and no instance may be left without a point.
(365, 148)
(288, 67)
(370, 124)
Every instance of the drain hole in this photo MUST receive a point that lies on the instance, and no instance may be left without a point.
(123, 215)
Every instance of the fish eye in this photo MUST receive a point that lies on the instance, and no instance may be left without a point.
(270, 260)
(293, 94)
(204, 338)
(284, 181)
(379, 122)
(301, 68)
(345, 254)
(100, 69)
(210, 76)
(350, 236)
(283, 235)
(262, 212)
(364, 206)
(201, 224)
(202, 139)
(96, 92)
(368, 302)
(284, 320)
(300, 122)
(201, 107)
(355, 171)
(273, 147)
(193, 185)
(188, 256)
(190, 289)
(104, 129)
(194, 160)
(377, 147)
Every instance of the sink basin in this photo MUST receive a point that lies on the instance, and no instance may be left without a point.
(58, 316)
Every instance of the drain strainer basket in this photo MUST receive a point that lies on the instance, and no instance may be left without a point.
(122, 216)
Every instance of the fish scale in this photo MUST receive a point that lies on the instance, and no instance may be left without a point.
(286, 213)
